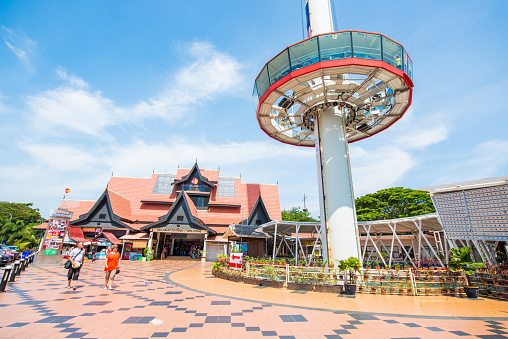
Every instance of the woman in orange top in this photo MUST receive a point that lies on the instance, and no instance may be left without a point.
(112, 265)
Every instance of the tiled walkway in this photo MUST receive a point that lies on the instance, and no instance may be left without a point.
(159, 299)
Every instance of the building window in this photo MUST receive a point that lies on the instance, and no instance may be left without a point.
(258, 222)
(102, 216)
(179, 218)
(201, 202)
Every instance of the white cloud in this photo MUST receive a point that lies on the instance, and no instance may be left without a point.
(72, 80)
(73, 105)
(52, 167)
(485, 160)
(378, 168)
(396, 154)
(20, 45)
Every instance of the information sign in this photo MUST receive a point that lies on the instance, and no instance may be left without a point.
(235, 261)
(56, 231)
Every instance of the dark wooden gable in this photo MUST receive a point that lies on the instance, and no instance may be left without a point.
(195, 173)
(100, 215)
(179, 217)
(259, 214)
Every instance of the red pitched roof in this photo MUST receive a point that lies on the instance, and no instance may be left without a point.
(79, 207)
(133, 202)
(41, 226)
(76, 233)
(111, 237)
(192, 208)
(121, 205)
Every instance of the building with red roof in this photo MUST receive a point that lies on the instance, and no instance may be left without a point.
(191, 208)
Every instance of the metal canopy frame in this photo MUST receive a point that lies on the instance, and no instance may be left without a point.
(281, 229)
(418, 227)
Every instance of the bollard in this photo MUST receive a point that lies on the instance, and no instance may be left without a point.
(18, 271)
(23, 264)
(5, 278)
(13, 273)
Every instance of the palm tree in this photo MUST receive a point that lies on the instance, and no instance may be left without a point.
(461, 261)
(18, 234)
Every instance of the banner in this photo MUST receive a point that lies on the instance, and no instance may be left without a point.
(235, 261)
(55, 233)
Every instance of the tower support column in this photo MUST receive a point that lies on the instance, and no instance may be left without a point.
(337, 209)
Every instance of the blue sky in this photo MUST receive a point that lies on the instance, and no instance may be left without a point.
(90, 88)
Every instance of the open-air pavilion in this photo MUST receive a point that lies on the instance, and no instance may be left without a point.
(402, 240)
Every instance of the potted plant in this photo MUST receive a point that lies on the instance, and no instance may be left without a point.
(351, 266)
(273, 279)
(145, 253)
(397, 267)
(292, 262)
(461, 261)
(216, 266)
(300, 282)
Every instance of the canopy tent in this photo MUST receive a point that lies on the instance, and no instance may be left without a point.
(417, 230)
(245, 231)
(291, 231)
(419, 227)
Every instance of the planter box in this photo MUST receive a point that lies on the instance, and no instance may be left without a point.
(300, 286)
(274, 284)
(223, 276)
(336, 289)
(252, 281)
(235, 278)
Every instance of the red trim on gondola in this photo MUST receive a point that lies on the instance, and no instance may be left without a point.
(337, 63)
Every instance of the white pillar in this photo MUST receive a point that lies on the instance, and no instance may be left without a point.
(204, 243)
(150, 240)
(320, 16)
(338, 216)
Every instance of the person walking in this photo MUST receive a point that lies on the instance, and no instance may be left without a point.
(112, 266)
(76, 258)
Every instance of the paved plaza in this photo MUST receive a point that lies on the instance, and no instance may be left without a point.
(178, 298)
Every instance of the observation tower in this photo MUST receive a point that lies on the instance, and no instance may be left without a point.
(326, 91)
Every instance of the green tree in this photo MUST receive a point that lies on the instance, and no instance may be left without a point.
(16, 224)
(19, 234)
(296, 214)
(392, 203)
(20, 211)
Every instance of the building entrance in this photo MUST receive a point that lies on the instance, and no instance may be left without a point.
(163, 246)
(188, 247)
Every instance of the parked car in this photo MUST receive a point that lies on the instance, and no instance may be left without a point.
(7, 250)
(4, 259)
(13, 248)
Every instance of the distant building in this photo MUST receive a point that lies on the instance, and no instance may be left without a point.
(179, 212)
(475, 214)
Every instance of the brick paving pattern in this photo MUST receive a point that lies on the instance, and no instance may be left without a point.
(147, 303)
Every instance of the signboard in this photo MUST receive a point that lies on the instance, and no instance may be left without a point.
(235, 261)
(54, 236)
(56, 231)
(92, 229)
(174, 230)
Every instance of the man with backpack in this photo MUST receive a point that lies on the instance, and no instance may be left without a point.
(76, 259)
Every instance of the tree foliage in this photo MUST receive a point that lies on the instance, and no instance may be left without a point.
(20, 211)
(296, 214)
(392, 203)
(18, 230)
